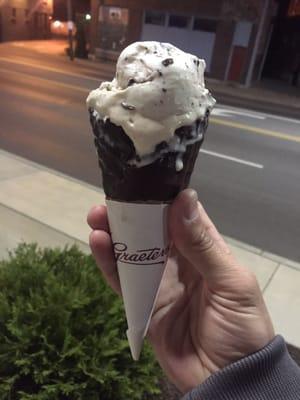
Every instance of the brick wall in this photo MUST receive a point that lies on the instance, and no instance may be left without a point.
(222, 48)
(17, 25)
(94, 25)
(135, 25)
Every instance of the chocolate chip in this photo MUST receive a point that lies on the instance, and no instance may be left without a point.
(160, 73)
(167, 62)
(161, 146)
(127, 106)
(164, 90)
(131, 82)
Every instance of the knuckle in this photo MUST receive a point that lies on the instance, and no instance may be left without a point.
(201, 241)
(91, 239)
(250, 283)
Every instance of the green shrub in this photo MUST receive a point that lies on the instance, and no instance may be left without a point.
(62, 332)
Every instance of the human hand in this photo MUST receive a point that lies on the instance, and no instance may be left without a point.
(210, 311)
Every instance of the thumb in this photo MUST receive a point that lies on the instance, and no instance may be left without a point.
(197, 239)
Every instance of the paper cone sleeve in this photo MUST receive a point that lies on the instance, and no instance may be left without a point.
(140, 239)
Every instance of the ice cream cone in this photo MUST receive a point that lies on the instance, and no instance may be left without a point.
(148, 125)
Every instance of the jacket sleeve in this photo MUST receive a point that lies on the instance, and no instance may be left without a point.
(269, 374)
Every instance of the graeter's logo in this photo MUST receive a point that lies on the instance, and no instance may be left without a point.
(151, 256)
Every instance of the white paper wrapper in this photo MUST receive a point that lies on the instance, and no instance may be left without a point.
(139, 233)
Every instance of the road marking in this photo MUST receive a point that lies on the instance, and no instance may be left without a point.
(225, 112)
(51, 69)
(259, 131)
(64, 85)
(262, 114)
(234, 159)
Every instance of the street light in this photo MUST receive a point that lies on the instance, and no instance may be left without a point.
(56, 24)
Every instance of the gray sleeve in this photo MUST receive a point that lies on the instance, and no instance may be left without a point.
(269, 374)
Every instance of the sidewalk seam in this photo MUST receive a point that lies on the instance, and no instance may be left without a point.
(43, 224)
(271, 278)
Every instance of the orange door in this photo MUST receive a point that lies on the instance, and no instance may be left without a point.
(237, 63)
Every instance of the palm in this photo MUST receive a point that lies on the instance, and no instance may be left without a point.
(194, 330)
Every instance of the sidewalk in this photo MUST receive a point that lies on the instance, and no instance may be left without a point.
(267, 96)
(42, 205)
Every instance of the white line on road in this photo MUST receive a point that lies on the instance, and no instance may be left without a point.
(260, 115)
(225, 112)
(234, 159)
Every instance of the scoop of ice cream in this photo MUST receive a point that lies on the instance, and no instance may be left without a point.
(157, 89)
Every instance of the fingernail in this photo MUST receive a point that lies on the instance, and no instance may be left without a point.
(190, 210)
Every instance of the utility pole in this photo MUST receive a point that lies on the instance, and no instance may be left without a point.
(256, 43)
(70, 29)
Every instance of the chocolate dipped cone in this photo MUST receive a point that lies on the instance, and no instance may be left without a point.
(159, 181)
(148, 123)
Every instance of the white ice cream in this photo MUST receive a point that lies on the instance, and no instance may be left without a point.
(157, 89)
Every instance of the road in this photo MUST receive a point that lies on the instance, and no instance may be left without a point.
(247, 174)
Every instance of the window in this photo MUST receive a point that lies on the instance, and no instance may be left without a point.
(205, 25)
(155, 18)
(179, 21)
(113, 28)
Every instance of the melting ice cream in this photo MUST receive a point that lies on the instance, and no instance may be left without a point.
(157, 89)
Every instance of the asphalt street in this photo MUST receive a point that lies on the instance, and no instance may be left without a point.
(247, 174)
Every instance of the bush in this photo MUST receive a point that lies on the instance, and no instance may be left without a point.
(62, 332)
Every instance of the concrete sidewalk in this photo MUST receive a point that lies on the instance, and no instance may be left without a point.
(44, 206)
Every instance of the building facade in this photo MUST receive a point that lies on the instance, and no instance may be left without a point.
(229, 34)
(25, 19)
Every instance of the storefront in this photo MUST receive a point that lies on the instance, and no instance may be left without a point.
(221, 32)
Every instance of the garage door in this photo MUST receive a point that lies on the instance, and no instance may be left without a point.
(193, 34)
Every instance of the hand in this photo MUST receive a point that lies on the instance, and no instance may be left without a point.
(210, 311)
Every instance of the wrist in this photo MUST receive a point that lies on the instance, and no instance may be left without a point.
(269, 373)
